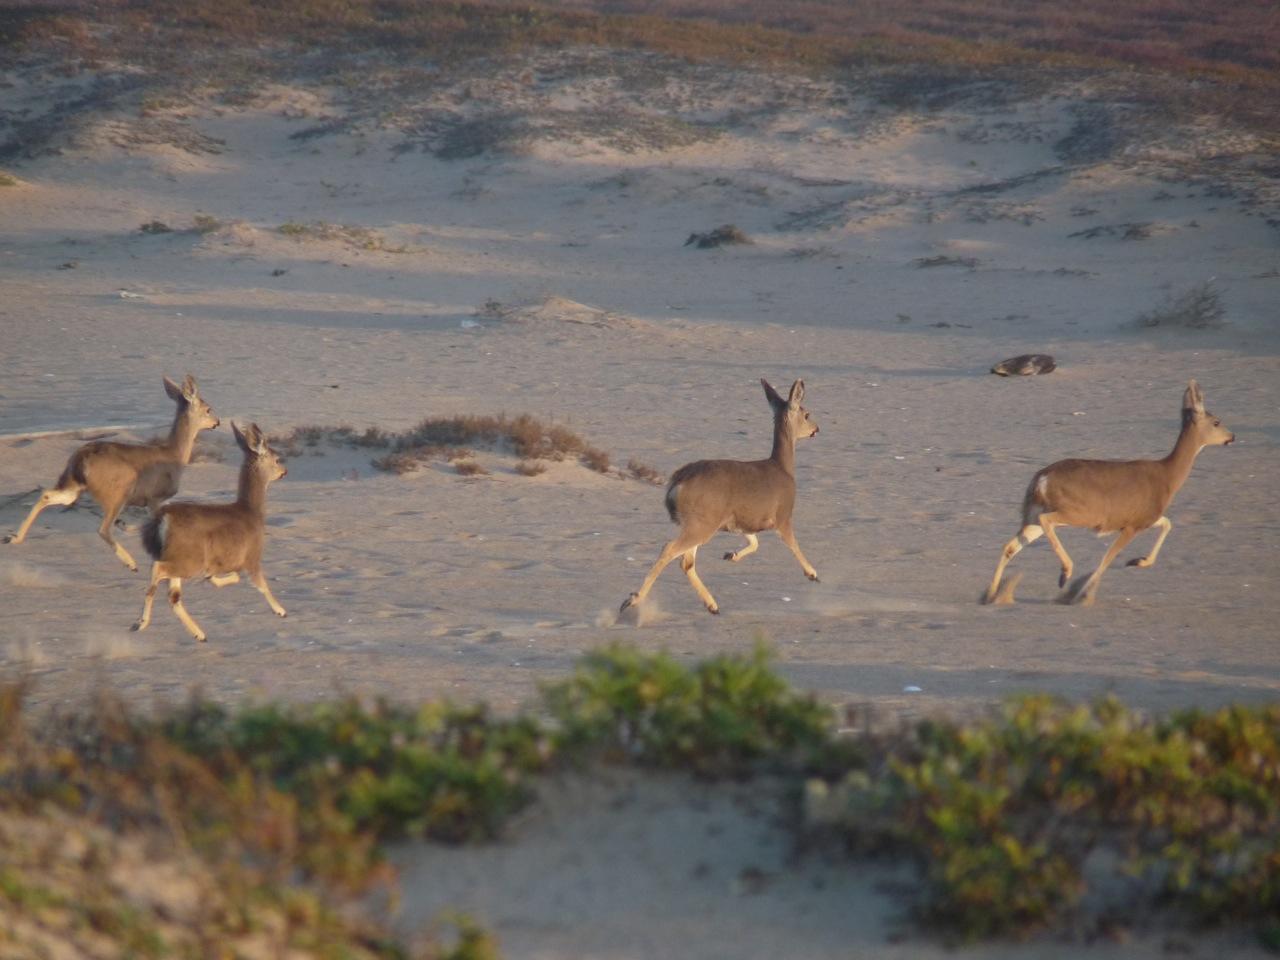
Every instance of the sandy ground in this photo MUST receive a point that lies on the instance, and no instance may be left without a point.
(435, 585)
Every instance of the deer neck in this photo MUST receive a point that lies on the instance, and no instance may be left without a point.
(182, 437)
(784, 444)
(1183, 456)
(252, 493)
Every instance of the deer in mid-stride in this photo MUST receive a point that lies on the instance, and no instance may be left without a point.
(1110, 496)
(214, 540)
(119, 474)
(740, 496)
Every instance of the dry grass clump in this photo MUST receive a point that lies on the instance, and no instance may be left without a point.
(156, 226)
(1199, 308)
(451, 439)
(8, 180)
(362, 238)
(724, 236)
(644, 472)
(525, 436)
(944, 261)
(531, 468)
(470, 468)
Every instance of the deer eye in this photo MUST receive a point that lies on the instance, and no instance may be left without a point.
(1217, 422)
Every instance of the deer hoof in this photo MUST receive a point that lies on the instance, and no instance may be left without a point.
(813, 577)
(731, 556)
(1137, 562)
(715, 610)
(631, 601)
(8, 538)
(202, 637)
(282, 614)
(138, 626)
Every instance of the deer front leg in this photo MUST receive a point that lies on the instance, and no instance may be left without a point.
(104, 531)
(1084, 591)
(259, 580)
(789, 538)
(226, 579)
(47, 498)
(753, 544)
(1165, 525)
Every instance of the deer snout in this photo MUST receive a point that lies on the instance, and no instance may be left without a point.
(1230, 439)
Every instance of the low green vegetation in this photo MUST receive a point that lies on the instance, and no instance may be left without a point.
(275, 815)
(362, 238)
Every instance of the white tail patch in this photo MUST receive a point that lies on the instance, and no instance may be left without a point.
(162, 533)
(1042, 487)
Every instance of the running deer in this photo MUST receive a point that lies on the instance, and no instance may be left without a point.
(1109, 496)
(214, 540)
(119, 474)
(740, 496)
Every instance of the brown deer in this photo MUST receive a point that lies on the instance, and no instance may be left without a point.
(1109, 496)
(119, 474)
(214, 540)
(740, 496)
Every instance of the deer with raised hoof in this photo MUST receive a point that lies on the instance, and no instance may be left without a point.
(119, 474)
(1109, 496)
(214, 540)
(739, 496)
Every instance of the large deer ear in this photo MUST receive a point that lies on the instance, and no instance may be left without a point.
(173, 390)
(240, 438)
(189, 389)
(796, 396)
(257, 440)
(775, 401)
(1193, 399)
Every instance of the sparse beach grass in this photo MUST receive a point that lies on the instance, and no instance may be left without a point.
(451, 438)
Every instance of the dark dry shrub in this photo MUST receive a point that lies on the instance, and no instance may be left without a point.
(204, 223)
(945, 261)
(723, 236)
(642, 471)
(595, 459)
(156, 226)
(469, 468)
(531, 468)
(1198, 308)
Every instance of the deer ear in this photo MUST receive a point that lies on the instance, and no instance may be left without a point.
(1193, 399)
(240, 438)
(772, 394)
(796, 396)
(173, 390)
(256, 439)
(189, 388)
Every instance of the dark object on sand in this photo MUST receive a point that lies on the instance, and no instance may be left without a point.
(1026, 365)
(719, 237)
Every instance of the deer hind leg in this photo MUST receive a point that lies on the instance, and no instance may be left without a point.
(1029, 534)
(1050, 523)
(259, 580)
(1165, 525)
(158, 573)
(1084, 591)
(686, 564)
(47, 498)
(175, 599)
(753, 544)
(109, 514)
(684, 541)
(788, 536)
